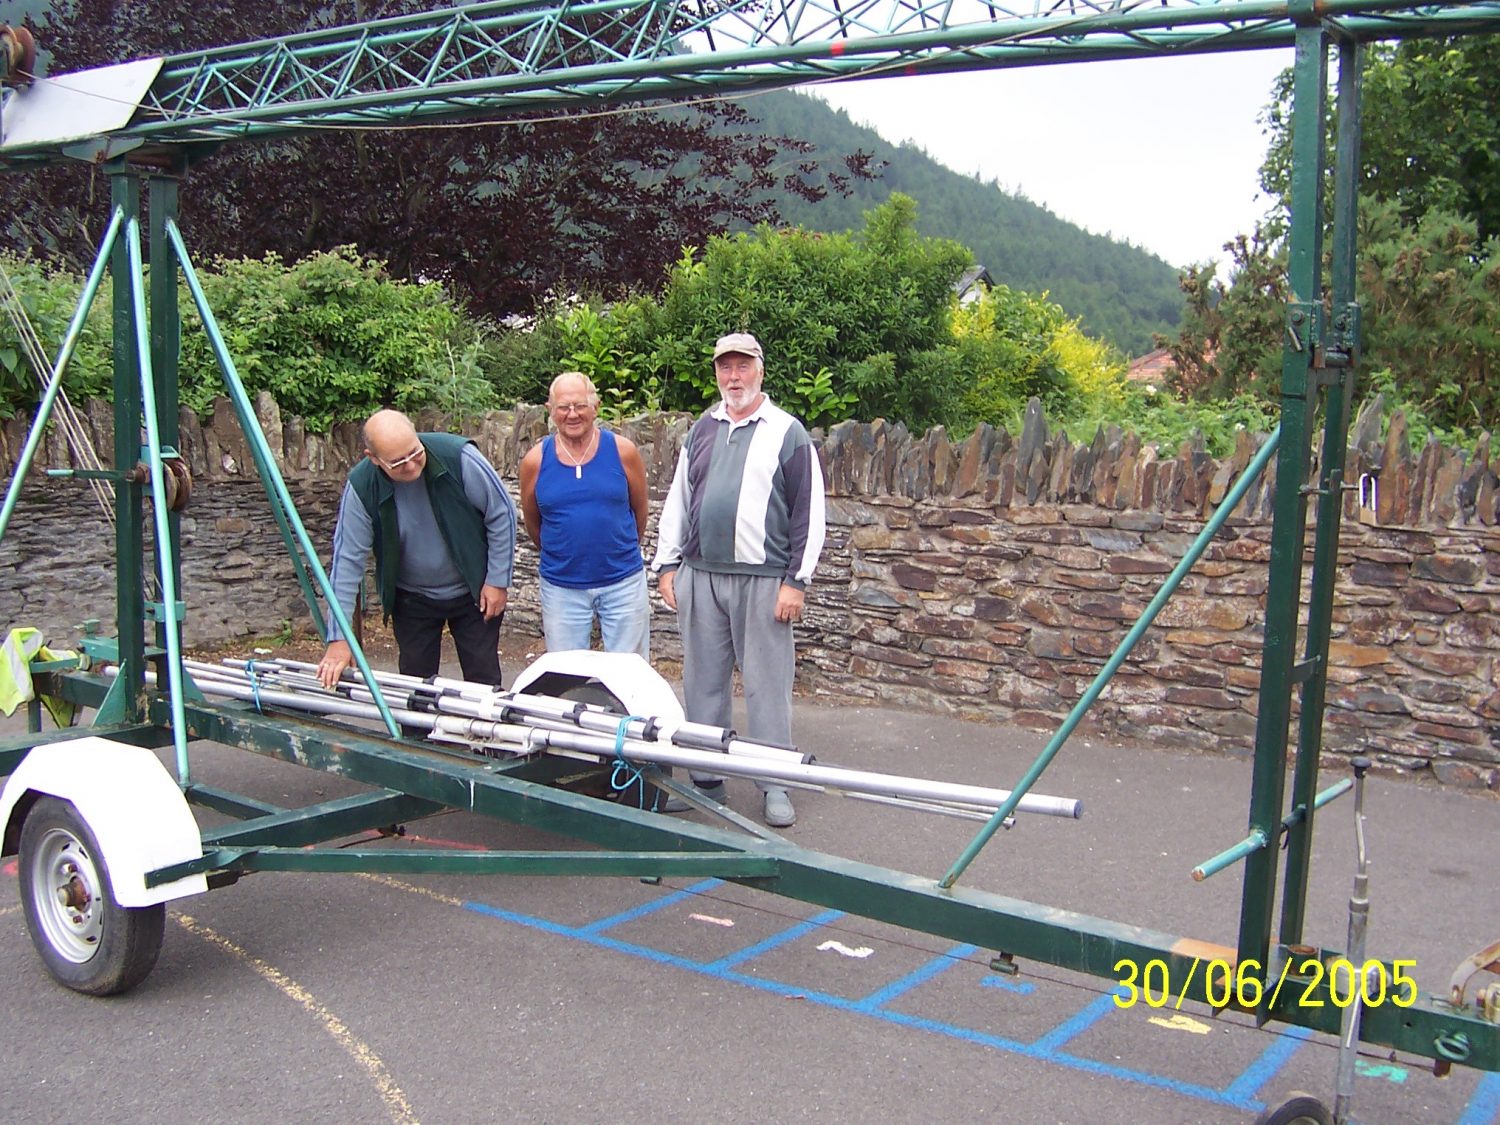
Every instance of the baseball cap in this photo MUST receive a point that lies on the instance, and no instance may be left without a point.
(741, 343)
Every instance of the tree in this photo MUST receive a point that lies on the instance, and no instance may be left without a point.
(1430, 320)
(1430, 130)
(860, 306)
(1230, 340)
(855, 325)
(1429, 211)
(1428, 291)
(501, 212)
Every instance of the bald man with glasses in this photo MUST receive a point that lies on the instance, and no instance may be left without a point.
(442, 528)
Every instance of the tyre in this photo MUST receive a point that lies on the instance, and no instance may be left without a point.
(87, 941)
(594, 694)
(1298, 1109)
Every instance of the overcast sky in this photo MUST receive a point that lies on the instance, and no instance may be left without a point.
(1161, 152)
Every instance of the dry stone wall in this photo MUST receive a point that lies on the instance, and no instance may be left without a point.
(989, 577)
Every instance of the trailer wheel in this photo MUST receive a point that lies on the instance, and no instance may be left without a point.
(87, 941)
(1298, 1109)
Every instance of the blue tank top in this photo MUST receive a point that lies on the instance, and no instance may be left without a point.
(588, 528)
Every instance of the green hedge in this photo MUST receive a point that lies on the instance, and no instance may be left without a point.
(331, 337)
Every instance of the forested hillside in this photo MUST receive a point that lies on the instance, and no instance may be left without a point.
(1123, 293)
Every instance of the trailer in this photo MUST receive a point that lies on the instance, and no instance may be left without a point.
(105, 833)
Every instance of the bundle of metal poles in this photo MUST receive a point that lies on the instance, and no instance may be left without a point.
(512, 723)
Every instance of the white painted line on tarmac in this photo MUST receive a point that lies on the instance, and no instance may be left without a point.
(847, 951)
(711, 920)
(1181, 1023)
(399, 1109)
(402, 885)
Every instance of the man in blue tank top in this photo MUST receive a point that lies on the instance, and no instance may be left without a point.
(584, 501)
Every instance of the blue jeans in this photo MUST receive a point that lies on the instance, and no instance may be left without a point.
(623, 609)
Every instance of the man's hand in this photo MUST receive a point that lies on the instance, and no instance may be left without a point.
(789, 601)
(336, 658)
(667, 585)
(492, 601)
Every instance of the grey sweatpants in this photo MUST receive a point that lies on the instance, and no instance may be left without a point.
(728, 620)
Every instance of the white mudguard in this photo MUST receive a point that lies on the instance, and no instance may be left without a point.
(623, 674)
(130, 802)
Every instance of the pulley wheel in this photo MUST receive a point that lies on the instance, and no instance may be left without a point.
(179, 481)
(20, 56)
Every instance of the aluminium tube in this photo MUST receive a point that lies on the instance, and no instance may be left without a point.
(296, 701)
(700, 736)
(830, 777)
(703, 736)
(941, 797)
(769, 763)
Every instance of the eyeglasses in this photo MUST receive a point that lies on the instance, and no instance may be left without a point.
(572, 408)
(421, 451)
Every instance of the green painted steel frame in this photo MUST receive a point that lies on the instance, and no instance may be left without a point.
(394, 861)
(299, 545)
(414, 778)
(1289, 512)
(509, 59)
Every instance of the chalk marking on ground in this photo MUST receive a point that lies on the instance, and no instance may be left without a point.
(396, 1105)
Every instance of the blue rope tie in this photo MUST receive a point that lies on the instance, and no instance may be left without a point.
(254, 683)
(624, 775)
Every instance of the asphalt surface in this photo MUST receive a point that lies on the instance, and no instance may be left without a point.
(323, 998)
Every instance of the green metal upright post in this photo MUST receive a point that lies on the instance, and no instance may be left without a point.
(1337, 369)
(1278, 666)
(127, 699)
(166, 336)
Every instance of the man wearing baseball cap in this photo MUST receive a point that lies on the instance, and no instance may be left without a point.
(737, 542)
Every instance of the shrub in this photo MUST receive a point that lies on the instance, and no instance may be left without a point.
(48, 298)
(332, 338)
(817, 303)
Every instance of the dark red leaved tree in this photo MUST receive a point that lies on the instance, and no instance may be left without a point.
(503, 211)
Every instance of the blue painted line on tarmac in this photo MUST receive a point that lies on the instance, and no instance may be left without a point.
(775, 941)
(1073, 1062)
(1484, 1106)
(719, 971)
(1078, 1024)
(1271, 1060)
(649, 907)
(882, 996)
(1005, 984)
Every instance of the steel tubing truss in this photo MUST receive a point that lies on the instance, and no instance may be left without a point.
(503, 60)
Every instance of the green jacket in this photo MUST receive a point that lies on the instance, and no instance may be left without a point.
(461, 523)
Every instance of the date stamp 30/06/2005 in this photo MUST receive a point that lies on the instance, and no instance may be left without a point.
(1373, 984)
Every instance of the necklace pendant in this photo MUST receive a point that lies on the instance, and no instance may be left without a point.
(577, 472)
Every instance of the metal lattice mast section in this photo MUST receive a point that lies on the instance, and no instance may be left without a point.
(514, 58)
